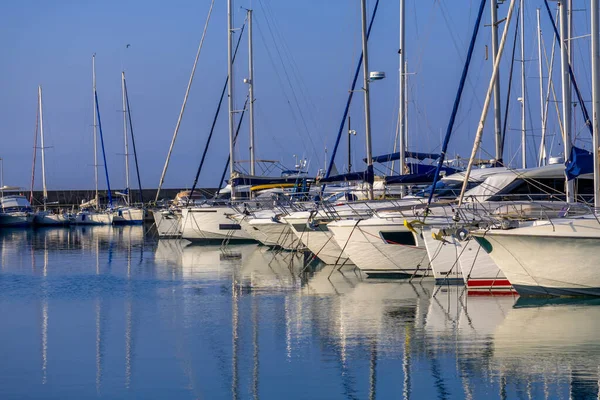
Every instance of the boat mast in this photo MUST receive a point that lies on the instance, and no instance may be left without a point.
(402, 96)
(365, 63)
(542, 102)
(35, 136)
(185, 98)
(230, 91)
(566, 91)
(497, 106)
(128, 197)
(595, 98)
(95, 130)
(251, 91)
(486, 105)
(45, 191)
(406, 74)
(523, 122)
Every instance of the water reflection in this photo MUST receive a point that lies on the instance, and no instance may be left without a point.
(110, 312)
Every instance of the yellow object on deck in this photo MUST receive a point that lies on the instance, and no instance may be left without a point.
(272, 186)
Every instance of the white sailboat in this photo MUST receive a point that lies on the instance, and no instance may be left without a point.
(45, 217)
(89, 213)
(557, 256)
(127, 214)
(215, 222)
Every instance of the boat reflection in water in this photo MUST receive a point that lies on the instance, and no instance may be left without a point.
(551, 344)
(109, 311)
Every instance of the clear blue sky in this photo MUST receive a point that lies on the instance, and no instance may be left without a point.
(51, 43)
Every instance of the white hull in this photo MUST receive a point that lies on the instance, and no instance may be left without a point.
(443, 256)
(211, 223)
(479, 271)
(129, 216)
(47, 219)
(548, 258)
(464, 262)
(93, 218)
(318, 239)
(16, 219)
(168, 223)
(367, 248)
(276, 233)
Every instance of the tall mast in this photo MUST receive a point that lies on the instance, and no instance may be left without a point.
(523, 123)
(406, 105)
(497, 106)
(251, 91)
(95, 129)
(365, 63)
(486, 106)
(402, 97)
(566, 91)
(230, 91)
(541, 78)
(595, 99)
(128, 197)
(45, 190)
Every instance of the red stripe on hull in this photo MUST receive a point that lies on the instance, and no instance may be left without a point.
(488, 283)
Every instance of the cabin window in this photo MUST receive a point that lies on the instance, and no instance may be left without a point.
(402, 238)
(530, 189)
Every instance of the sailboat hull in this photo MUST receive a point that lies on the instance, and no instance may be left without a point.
(168, 223)
(129, 216)
(318, 239)
(366, 244)
(276, 233)
(47, 219)
(93, 219)
(202, 224)
(557, 258)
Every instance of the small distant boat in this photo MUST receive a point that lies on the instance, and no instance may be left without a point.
(128, 214)
(89, 213)
(15, 210)
(44, 217)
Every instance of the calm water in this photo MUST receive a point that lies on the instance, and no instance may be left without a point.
(113, 313)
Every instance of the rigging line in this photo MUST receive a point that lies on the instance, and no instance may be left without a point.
(185, 98)
(457, 100)
(103, 152)
(422, 46)
(137, 168)
(295, 97)
(212, 128)
(584, 111)
(510, 79)
(284, 91)
(456, 47)
(295, 69)
(349, 100)
(292, 61)
(237, 132)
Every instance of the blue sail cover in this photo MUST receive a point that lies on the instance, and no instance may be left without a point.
(580, 162)
(409, 154)
(365, 176)
(426, 174)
